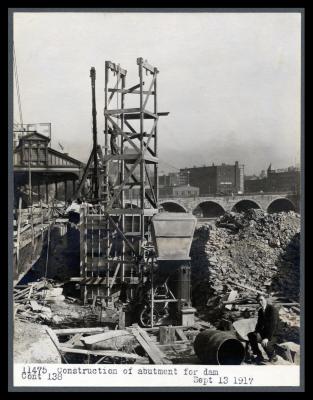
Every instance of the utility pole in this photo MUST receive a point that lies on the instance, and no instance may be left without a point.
(95, 177)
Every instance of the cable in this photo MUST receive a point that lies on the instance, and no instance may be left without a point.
(17, 86)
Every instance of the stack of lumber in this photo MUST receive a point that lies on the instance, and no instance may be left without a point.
(94, 345)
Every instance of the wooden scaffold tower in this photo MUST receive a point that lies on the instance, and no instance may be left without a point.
(115, 228)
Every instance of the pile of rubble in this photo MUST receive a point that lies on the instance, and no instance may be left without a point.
(243, 254)
(43, 302)
(31, 301)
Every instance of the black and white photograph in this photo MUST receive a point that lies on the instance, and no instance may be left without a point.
(157, 199)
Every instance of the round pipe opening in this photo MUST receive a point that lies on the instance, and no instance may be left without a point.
(230, 352)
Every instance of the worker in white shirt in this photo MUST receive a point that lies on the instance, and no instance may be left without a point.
(73, 211)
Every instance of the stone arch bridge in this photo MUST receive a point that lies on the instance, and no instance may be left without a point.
(214, 206)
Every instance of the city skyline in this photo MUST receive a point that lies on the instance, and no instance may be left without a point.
(259, 173)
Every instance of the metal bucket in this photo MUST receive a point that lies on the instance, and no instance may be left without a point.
(172, 234)
(218, 347)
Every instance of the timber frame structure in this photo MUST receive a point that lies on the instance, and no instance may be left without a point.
(114, 231)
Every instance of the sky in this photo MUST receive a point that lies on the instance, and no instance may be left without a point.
(231, 81)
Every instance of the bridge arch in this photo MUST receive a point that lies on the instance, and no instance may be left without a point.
(173, 206)
(208, 209)
(244, 205)
(281, 204)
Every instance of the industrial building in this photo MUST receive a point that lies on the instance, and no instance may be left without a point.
(221, 179)
(279, 180)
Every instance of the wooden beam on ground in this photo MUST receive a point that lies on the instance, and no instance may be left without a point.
(71, 331)
(55, 341)
(107, 353)
(180, 334)
(155, 354)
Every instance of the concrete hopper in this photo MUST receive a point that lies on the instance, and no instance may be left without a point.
(172, 234)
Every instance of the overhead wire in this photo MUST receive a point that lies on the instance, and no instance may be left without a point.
(17, 85)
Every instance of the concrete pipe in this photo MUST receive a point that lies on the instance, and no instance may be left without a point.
(217, 347)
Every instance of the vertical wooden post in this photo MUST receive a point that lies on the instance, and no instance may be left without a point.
(166, 334)
(47, 192)
(156, 165)
(152, 294)
(73, 182)
(65, 190)
(41, 215)
(19, 217)
(121, 319)
(142, 162)
(122, 180)
(106, 175)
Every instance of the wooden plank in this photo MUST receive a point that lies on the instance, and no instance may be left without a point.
(274, 304)
(71, 331)
(108, 335)
(147, 115)
(21, 294)
(180, 334)
(151, 134)
(147, 196)
(123, 134)
(115, 275)
(153, 348)
(146, 65)
(149, 92)
(121, 319)
(131, 89)
(128, 91)
(121, 111)
(153, 355)
(55, 341)
(126, 178)
(145, 335)
(30, 291)
(179, 345)
(115, 87)
(108, 353)
(115, 68)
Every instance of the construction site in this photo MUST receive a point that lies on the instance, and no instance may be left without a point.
(107, 276)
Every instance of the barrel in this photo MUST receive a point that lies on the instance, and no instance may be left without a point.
(217, 347)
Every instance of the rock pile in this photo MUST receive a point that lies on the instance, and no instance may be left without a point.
(254, 250)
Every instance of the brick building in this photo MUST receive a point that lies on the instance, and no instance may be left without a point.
(283, 180)
(279, 180)
(216, 179)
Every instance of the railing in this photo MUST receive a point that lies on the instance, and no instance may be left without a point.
(28, 223)
(229, 195)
